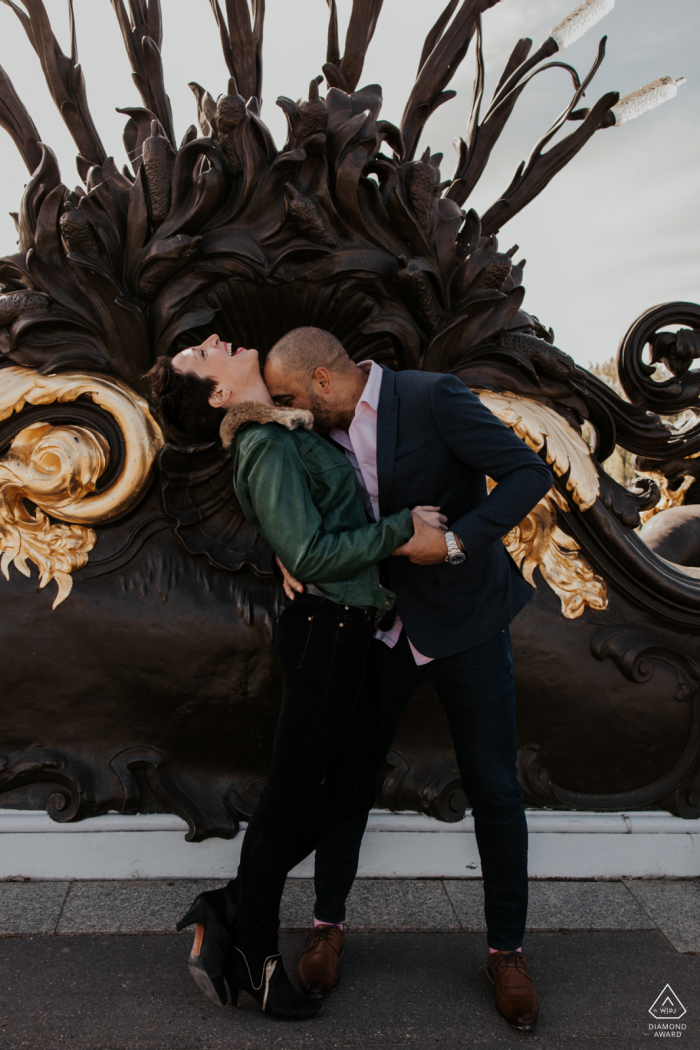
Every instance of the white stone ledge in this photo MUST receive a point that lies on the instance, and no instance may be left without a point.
(542, 821)
(650, 822)
(398, 845)
(37, 822)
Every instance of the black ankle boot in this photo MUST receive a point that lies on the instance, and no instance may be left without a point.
(270, 987)
(213, 912)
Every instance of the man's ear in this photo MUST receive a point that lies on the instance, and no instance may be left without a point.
(218, 397)
(322, 378)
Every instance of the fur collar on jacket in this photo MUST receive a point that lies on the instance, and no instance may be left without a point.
(257, 412)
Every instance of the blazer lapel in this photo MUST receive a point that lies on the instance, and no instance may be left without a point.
(387, 423)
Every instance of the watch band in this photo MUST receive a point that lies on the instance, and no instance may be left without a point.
(455, 555)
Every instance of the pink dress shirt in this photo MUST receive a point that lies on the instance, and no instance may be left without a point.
(360, 444)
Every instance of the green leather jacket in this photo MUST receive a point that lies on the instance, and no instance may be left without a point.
(301, 493)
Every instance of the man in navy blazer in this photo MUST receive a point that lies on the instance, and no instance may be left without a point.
(424, 438)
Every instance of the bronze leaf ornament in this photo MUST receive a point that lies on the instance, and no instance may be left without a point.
(166, 600)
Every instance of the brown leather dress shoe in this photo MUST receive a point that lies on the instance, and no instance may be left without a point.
(318, 967)
(516, 998)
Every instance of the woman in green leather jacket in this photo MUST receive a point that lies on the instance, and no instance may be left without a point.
(301, 493)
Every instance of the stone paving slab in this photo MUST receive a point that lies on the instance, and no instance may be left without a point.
(132, 907)
(417, 990)
(297, 906)
(467, 898)
(129, 907)
(557, 905)
(673, 906)
(584, 906)
(377, 904)
(31, 907)
(400, 904)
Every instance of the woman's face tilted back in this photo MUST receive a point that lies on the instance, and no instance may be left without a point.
(232, 370)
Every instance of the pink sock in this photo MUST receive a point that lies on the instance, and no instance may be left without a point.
(319, 922)
(492, 950)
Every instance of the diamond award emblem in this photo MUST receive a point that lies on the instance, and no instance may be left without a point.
(667, 1005)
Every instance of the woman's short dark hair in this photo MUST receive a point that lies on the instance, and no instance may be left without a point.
(182, 402)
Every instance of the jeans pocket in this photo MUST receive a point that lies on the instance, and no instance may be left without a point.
(355, 629)
(353, 616)
(292, 637)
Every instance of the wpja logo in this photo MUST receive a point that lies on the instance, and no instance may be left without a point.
(668, 1009)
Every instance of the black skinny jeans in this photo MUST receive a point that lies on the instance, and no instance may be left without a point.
(477, 690)
(323, 761)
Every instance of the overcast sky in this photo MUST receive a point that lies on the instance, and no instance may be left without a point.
(615, 233)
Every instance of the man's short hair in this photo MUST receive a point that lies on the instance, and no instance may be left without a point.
(303, 350)
(182, 403)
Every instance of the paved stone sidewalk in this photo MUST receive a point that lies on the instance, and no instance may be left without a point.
(671, 907)
(96, 966)
(398, 990)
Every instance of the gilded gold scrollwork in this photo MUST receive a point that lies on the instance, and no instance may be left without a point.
(543, 428)
(538, 542)
(51, 466)
(58, 468)
(669, 497)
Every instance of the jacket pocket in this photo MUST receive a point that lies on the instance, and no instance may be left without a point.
(319, 460)
(418, 452)
(446, 573)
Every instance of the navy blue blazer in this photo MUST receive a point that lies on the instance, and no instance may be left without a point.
(436, 443)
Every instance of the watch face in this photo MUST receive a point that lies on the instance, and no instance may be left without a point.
(457, 559)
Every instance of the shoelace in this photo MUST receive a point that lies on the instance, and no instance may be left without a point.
(510, 959)
(321, 933)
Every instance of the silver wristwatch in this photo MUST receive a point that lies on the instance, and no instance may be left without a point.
(455, 556)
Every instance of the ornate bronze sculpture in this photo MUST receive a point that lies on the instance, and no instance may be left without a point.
(107, 703)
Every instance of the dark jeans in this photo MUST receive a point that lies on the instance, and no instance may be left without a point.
(323, 763)
(477, 691)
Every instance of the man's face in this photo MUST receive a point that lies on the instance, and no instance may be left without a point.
(291, 391)
(217, 360)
